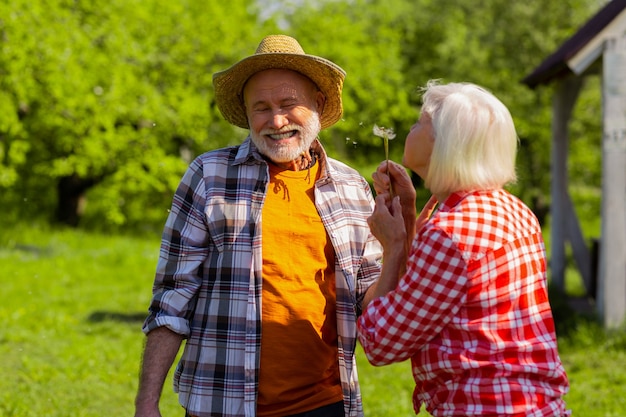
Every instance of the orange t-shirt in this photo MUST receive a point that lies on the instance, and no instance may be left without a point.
(299, 369)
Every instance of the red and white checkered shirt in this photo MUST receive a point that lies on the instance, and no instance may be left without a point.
(472, 313)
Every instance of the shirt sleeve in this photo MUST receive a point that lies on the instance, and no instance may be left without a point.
(369, 271)
(183, 251)
(394, 327)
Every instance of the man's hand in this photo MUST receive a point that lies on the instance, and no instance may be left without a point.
(146, 411)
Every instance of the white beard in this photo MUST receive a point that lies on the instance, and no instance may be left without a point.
(281, 153)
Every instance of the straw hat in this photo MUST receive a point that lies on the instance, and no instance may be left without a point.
(278, 52)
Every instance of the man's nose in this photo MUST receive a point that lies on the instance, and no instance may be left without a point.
(279, 119)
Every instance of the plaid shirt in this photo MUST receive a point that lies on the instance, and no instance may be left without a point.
(472, 313)
(208, 280)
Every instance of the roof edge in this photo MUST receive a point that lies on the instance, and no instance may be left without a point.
(555, 65)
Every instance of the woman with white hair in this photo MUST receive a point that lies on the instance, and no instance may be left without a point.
(463, 291)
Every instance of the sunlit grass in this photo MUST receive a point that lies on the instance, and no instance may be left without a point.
(70, 341)
(72, 309)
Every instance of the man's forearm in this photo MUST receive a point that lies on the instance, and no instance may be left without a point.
(161, 348)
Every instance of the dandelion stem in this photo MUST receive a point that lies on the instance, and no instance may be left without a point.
(386, 141)
(386, 134)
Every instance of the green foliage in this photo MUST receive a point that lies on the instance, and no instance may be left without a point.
(117, 95)
(390, 48)
(71, 340)
(364, 41)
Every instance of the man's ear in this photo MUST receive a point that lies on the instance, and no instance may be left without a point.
(320, 100)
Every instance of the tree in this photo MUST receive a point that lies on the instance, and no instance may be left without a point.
(105, 97)
(392, 47)
(366, 43)
(105, 102)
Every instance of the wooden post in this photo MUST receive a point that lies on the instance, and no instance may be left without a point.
(565, 95)
(580, 248)
(612, 269)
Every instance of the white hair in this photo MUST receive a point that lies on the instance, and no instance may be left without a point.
(475, 139)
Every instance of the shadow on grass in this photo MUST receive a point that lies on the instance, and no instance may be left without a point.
(102, 316)
(37, 251)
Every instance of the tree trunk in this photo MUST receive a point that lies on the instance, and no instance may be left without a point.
(71, 198)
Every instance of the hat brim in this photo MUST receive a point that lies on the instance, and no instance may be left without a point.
(325, 74)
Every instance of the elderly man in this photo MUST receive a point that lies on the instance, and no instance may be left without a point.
(266, 255)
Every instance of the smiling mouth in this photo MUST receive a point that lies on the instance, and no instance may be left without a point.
(283, 135)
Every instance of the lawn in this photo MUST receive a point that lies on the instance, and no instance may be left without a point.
(70, 342)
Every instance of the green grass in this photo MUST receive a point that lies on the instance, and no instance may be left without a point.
(71, 315)
(70, 339)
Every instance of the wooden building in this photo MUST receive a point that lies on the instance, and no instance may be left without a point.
(598, 47)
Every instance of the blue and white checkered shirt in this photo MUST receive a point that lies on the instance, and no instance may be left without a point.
(208, 280)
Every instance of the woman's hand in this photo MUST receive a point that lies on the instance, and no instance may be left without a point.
(387, 224)
(389, 228)
(402, 185)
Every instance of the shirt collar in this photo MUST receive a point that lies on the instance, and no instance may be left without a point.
(248, 152)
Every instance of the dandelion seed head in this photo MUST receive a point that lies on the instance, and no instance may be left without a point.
(382, 132)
